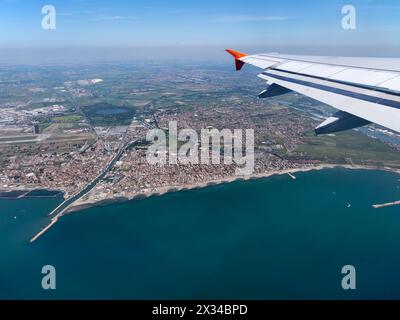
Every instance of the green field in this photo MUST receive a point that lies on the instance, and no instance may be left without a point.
(348, 147)
(67, 119)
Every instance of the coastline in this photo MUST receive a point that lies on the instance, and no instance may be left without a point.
(172, 189)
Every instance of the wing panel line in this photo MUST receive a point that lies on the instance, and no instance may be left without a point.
(379, 89)
(347, 93)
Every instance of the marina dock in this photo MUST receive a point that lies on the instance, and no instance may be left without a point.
(384, 205)
(53, 222)
(292, 176)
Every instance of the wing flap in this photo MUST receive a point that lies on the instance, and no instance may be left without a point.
(323, 70)
(295, 66)
(363, 77)
(340, 121)
(371, 109)
(273, 90)
(392, 84)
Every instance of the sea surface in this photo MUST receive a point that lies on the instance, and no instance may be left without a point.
(273, 238)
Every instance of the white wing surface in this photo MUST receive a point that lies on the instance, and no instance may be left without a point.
(365, 90)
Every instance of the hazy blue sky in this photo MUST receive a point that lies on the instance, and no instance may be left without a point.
(288, 25)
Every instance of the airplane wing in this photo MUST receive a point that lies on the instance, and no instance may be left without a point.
(364, 90)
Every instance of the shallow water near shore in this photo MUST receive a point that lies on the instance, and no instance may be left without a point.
(273, 238)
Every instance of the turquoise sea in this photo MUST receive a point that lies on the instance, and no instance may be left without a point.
(273, 238)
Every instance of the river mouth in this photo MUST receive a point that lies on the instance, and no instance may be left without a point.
(61, 209)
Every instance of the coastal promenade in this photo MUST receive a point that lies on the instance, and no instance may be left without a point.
(61, 209)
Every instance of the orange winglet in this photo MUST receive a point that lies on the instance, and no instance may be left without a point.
(237, 55)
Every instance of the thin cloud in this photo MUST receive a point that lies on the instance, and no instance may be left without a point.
(122, 18)
(250, 18)
(115, 18)
(89, 15)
